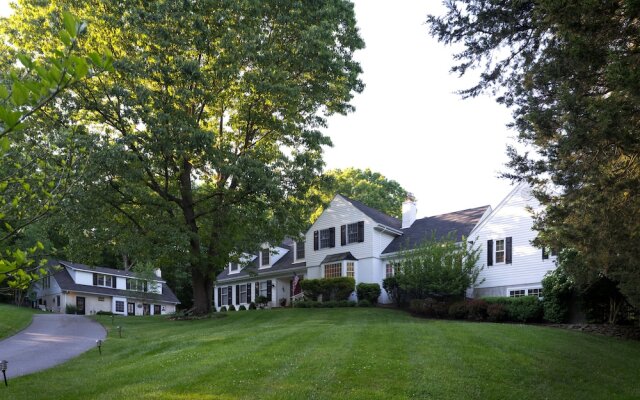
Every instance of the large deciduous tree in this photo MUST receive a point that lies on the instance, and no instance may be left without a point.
(570, 72)
(369, 187)
(210, 121)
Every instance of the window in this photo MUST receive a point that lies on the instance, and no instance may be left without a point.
(264, 291)
(351, 269)
(325, 238)
(537, 292)
(389, 271)
(104, 280)
(100, 298)
(300, 250)
(234, 267)
(119, 306)
(46, 282)
(264, 257)
(224, 296)
(243, 294)
(517, 293)
(352, 233)
(137, 285)
(499, 251)
(333, 270)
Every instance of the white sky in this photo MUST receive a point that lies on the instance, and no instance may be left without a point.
(409, 124)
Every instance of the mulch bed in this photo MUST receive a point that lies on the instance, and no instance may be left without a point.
(617, 331)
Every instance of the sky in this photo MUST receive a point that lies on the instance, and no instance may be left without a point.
(409, 123)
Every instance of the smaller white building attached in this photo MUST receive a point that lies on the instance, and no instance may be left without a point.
(90, 290)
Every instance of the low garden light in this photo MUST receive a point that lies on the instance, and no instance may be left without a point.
(3, 367)
(99, 344)
(119, 331)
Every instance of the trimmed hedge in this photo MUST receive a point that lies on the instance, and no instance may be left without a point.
(369, 292)
(429, 308)
(519, 309)
(493, 309)
(335, 289)
(326, 304)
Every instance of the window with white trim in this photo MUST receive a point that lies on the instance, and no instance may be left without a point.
(234, 267)
(352, 233)
(389, 270)
(264, 257)
(224, 297)
(119, 306)
(325, 238)
(333, 270)
(351, 269)
(517, 293)
(300, 250)
(500, 251)
(137, 285)
(243, 293)
(537, 292)
(104, 280)
(263, 289)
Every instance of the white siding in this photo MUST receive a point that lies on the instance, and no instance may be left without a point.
(512, 219)
(83, 278)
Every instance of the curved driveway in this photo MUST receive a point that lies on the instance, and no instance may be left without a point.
(51, 339)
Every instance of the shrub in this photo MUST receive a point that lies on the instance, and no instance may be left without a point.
(104, 313)
(558, 289)
(223, 309)
(70, 309)
(329, 288)
(519, 309)
(283, 302)
(477, 310)
(429, 307)
(232, 308)
(347, 303)
(262, 301)
(242, 308)
(330, 304)
(368, 291)
(364, 303)
(252, 306)
(496, 312)
(458, 310)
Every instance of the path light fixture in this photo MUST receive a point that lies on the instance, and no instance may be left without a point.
(99, 344)
(119, 331)
(3, 367)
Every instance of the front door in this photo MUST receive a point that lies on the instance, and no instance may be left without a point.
(131, 308)
(79, 305)
(156, 309)
(146, 309)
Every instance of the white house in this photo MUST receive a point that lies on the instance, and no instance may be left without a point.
(512, 265)
(94, 289)
(348, 239)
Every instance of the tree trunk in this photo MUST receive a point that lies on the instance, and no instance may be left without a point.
(202, 292)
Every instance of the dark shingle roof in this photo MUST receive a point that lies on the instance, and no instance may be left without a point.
(376, 215)
(285, 263)
(460, 222)
(338, 257)
(65, 282)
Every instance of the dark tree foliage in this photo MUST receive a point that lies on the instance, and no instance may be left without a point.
(570, 72)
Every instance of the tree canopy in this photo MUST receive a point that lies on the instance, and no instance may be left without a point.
(209, 125)
(569, 70)
(369, 187)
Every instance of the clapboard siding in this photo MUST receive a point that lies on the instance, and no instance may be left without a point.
(339, 212)
(512, 219)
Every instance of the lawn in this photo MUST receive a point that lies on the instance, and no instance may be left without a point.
(339, 354)
(14, 319)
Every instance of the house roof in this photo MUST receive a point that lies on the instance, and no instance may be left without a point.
(102, 270)
(461, 222)
(376, 215)
(66, 282)
(285, 263)
(338, 257)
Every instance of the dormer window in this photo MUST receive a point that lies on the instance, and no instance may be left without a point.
(137, 285)
(300, 250)
(234, 267)
(104, 280)
(264, 257)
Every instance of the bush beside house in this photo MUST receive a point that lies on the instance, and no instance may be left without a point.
(331, 289)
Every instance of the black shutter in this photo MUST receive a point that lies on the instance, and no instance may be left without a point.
(489, 252)
(545, 255)
(269, 290)
(219, 296)
(237, 294)
(95, 279)
(343, 235)
(229, 295)
(257, 290)
(145, 286)
(361, 231)
(332, 237)
(248, 293)
(113, 282)
(508, 250)
(315, 240)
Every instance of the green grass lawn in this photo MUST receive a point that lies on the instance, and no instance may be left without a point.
(339, 354)
(14, 319)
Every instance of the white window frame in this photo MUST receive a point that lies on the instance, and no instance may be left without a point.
(243, 293)
(527, 291)
(350, 269)
(224, 297)
(503, 251)
(104, 277)
(263, 289)
(233, 270)
(262, 263)
(324, 234)
(352, 233)
(296, 247)
(389, 270)
(333, 265)
(136, 285)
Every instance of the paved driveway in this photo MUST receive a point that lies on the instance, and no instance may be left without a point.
(51, 339)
